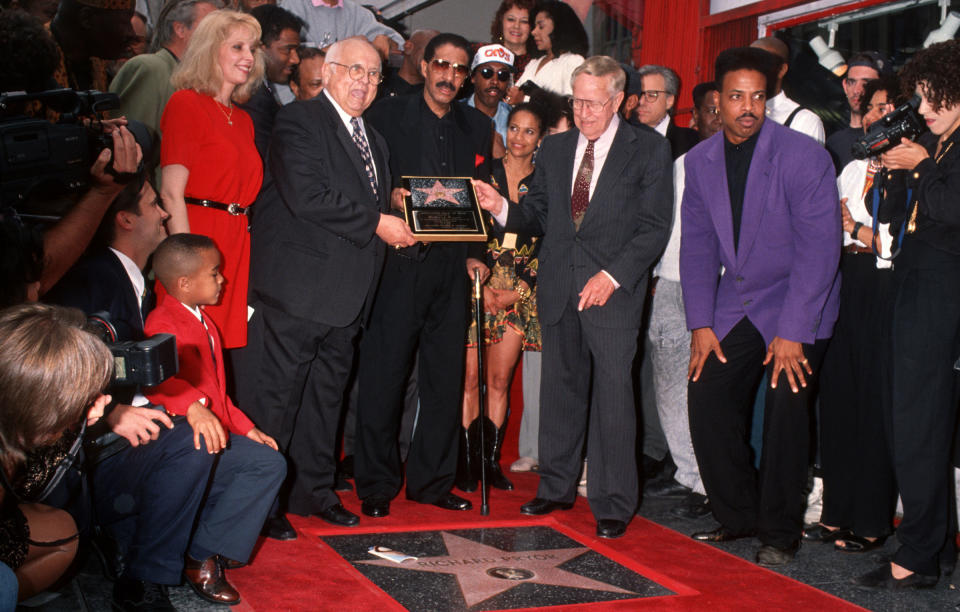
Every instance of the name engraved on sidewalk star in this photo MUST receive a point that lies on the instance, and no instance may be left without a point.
(485, 571)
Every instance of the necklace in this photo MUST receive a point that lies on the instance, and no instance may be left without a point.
(229, 115)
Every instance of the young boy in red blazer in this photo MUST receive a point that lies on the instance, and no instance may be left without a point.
(249, 470)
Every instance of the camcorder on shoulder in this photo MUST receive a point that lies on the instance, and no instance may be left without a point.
(40, 161)
(887, 132)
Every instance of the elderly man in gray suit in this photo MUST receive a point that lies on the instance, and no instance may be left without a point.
(602, 198)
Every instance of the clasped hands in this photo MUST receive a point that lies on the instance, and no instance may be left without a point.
(787, 357)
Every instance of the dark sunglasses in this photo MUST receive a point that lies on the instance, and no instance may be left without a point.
(441, 65)
(503, 75)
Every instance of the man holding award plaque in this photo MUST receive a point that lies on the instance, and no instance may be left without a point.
(420, 308)
(602, 198)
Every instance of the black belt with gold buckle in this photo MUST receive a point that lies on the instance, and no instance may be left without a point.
(233, 209)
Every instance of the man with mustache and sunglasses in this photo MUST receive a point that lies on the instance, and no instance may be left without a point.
(760, 212)
(492, 73)
(420, 309)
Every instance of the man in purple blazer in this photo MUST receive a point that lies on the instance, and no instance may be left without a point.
(759, 254)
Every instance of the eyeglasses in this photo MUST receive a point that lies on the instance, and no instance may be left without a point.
(652, 95)
(711, 110)
(591, 105)
(357, 72)
(503, 75)
(442, 65)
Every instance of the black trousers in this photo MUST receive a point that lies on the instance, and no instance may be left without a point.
(586, 397)
(926, 324)
(420, 308)
(721, 406)
(859, 489)
(296, 396)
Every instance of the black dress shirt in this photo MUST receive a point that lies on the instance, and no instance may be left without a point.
(737, 158)
(436, 141)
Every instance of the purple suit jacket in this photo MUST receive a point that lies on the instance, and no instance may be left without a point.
(785, 274)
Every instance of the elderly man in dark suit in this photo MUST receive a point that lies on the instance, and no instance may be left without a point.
(602, 198)
(759, 257)
(317, 251)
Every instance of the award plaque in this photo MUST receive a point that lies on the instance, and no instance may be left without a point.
(443, 209)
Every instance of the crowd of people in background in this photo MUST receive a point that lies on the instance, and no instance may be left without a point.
(736, 313)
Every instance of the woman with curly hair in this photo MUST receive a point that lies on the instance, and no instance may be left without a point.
(926, 323)
(211, 171)
(560, 36)
(511, 28)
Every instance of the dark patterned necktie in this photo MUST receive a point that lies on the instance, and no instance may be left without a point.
(361, 141)
(581, 186)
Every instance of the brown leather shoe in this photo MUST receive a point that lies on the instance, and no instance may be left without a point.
(207, 580)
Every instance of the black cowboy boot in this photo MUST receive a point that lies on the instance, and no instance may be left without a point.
(468, 467)
(493, 439)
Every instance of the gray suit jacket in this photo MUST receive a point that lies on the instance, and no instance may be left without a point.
(314, 250)
(624, 230)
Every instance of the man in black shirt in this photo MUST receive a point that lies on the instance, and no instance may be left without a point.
(862, 68)
(775, 246)
(421, 304)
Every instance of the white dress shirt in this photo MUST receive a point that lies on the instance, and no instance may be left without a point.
(138, 284)
(346, 122)
(601, 148)
(661, 127)
(806, 121)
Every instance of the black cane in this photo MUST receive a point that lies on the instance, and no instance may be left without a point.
(481, 391)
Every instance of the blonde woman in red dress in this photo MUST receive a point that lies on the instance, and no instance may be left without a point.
(211, 169)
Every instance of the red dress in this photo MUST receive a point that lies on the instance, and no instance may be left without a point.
(224, 167)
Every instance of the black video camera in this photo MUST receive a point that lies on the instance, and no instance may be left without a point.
(41, 161)
(889, 130)
(146, 362)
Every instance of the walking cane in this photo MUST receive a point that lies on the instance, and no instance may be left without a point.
(481, 390)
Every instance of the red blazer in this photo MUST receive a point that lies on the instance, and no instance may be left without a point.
(197, 377)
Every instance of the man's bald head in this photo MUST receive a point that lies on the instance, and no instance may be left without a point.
(773, 45)
(351, 74)
(779, 49)
(347, 46)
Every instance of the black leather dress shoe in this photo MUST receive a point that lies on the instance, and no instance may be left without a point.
(882, 578)
(453, 502)
(693, 506)
(130, 595)
(278, 528)
(376, 506)
(720, 534)
(610, 528)
(338, 515)
(773, 556)
(666, 488)
(538, 506)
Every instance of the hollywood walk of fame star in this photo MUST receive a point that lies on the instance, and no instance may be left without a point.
(439, 192)
(484, 571)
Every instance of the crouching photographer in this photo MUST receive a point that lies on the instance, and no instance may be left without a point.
(926, 322)
(52, 374)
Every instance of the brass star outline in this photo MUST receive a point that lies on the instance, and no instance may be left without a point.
(470, 561)
(439, 192)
